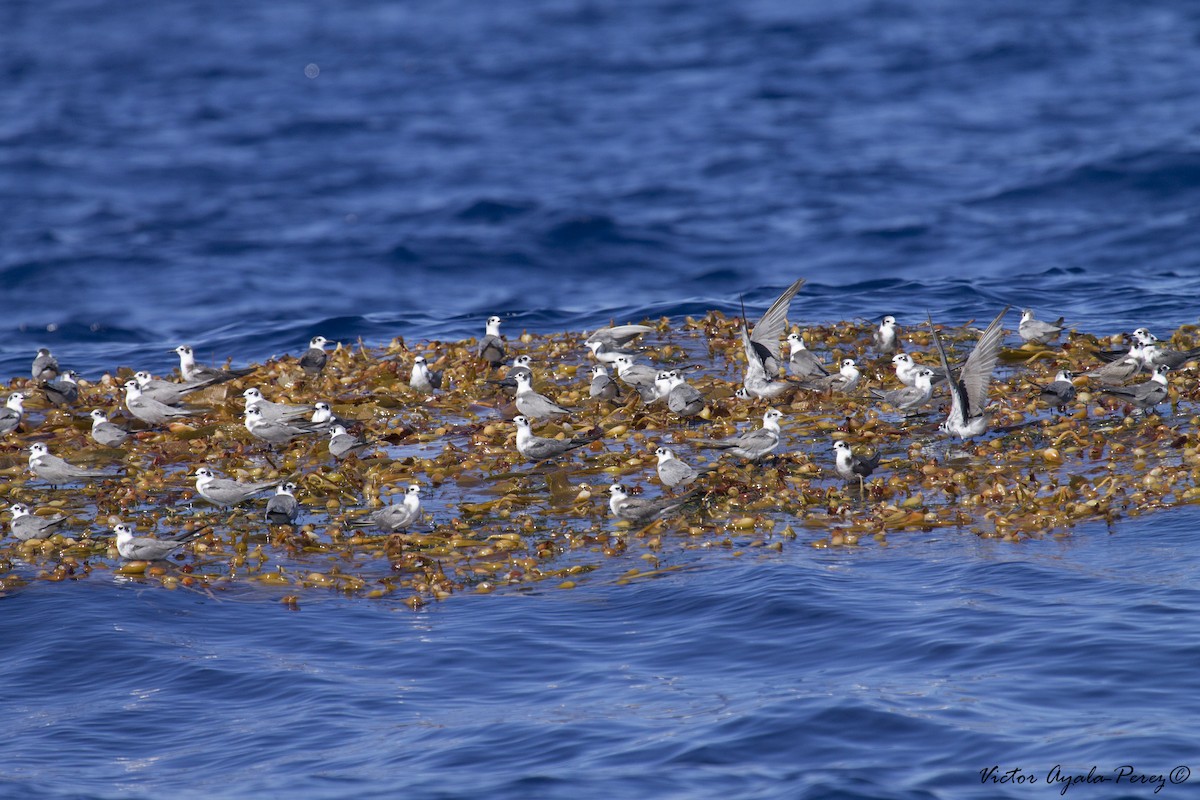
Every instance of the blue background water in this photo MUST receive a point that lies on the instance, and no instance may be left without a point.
(169, 173)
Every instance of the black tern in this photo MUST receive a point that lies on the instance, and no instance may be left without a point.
(282, 508)
(683, 398)
(275, 431)
(1144, 396)
(55, 470)
(909, 399)
(845, 379)
(639, 376)
(145, 548)
(1144, 336)
(285, 412)
(1059, 392)
(491, 346)
(395, 517)
(606, 353)
(343, 444)
(751, 445)
(602, 387)
(761, 346)
(522, 364)
(1038, 332)
(853, 467)
(45, 365)
(1121, 370)
(315, 357)
(168, 392)
(192, 371)
(643, 512)
(26, 526)
(673, 472)
(12, 413)
(152, 411)
(424, 379)
(802, 363)
(226, 491)
(884, 337)
(617, 335)
(63, 391)
(1154, 355)
(323, 417)
(906, 370)
(540, 448)
(969, 386)
(534, 405)
(106, 433)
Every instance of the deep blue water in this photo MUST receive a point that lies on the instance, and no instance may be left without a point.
(169, 173)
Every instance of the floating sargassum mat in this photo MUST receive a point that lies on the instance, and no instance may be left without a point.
(495, 521)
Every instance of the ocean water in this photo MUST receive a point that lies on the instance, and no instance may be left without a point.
(243, 176)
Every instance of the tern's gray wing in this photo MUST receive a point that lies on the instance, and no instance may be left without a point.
(109, 435)
(902, 399)
(751, 444)
(976, 374)
(769, 329)
(143, 548)
(31, 527)
(674, 472)
(603, 387)
(153, 411)
(804, 364)
(172, 393)
(1038, 332)
(539, 448)
(1144, 395)
(1117, 371)
(618, 335)
(200, 372)
(227, 490)
(958, 396)
(53, 467)
(536, 406)
(61, 393)
(639, 510)
(685, 400)
(345, 444)
(639, 375)
(277, 432)
(1176, 358)
(394, 518)
(1057, 393)
(9, 419)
